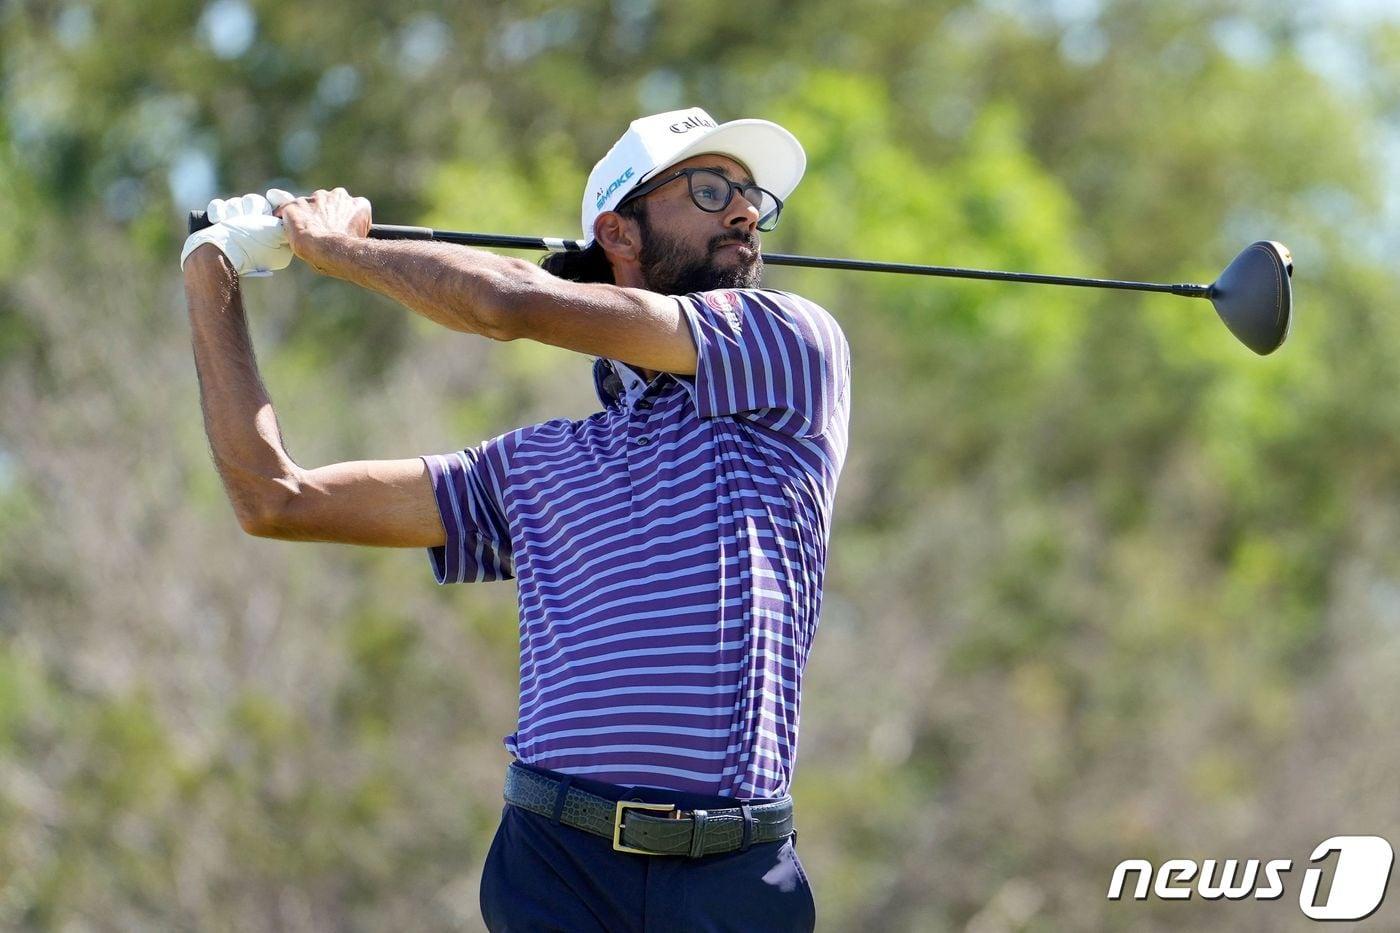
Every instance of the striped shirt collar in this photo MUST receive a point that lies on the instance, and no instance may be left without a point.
(617, 382)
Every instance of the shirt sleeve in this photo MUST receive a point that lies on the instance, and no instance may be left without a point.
(771, 357)
(467, 485)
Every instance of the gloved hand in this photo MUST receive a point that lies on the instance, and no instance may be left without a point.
(245, 231)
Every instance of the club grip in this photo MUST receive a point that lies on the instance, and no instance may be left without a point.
(198, 220)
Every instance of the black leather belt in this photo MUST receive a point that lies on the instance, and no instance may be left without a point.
(650, 828)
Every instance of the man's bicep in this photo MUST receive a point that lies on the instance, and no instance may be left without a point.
(388, 503)
(637, 327)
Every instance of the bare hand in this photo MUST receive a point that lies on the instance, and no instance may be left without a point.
(313, 223)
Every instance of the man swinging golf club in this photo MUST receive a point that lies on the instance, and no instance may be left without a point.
(669, 550)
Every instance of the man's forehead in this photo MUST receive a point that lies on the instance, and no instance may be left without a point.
(731, 168)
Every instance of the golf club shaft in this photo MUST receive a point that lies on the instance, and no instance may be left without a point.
(506, 241)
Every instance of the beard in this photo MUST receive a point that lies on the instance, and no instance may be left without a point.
(670, 268)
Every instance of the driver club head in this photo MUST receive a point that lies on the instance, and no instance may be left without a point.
(1254, 296)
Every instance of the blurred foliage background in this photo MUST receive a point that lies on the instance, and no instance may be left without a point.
(1102, 585)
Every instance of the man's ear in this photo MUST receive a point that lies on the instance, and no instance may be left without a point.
(620, 237)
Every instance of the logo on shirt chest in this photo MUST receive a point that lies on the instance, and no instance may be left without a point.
(725, 302)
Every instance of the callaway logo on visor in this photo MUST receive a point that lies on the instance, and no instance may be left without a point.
(690, 123)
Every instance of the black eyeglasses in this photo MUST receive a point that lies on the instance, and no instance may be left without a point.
(712, 193)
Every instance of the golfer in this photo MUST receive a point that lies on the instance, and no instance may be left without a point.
(669, 550)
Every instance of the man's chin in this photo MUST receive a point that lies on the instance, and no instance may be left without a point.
(742, 269)
(749, 275)
(737, 266)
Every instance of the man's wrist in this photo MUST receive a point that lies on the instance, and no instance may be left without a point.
(332, 254)
(207, 265)
(208, 257)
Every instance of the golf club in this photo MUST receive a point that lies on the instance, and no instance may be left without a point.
(1253, 296)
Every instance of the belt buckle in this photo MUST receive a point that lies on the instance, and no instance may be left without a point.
(622, 807)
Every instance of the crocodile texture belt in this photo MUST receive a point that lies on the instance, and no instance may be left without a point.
(650, 828)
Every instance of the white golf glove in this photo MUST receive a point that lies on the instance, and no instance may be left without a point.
(245, 231)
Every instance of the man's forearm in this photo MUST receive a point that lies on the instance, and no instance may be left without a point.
(460, 288)
(238, 416)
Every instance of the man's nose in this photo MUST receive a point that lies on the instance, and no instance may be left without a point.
(741, 213)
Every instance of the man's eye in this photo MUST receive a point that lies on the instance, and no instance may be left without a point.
(708, 192)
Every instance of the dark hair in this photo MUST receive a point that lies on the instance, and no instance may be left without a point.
(591, 265)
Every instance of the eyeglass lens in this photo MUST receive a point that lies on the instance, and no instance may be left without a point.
(711, 192)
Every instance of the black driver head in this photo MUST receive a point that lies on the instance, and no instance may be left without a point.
(1254, 296)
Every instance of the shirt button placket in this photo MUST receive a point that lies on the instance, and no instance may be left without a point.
(640, 409)
(636, 428)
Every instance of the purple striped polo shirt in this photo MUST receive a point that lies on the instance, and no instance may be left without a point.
(668, 551)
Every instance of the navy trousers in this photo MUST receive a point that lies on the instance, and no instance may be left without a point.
(545, 876)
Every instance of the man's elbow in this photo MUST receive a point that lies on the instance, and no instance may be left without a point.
(262, 523)
(265, 510)
(254, 524)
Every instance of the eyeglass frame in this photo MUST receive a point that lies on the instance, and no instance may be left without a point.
(647, 187)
